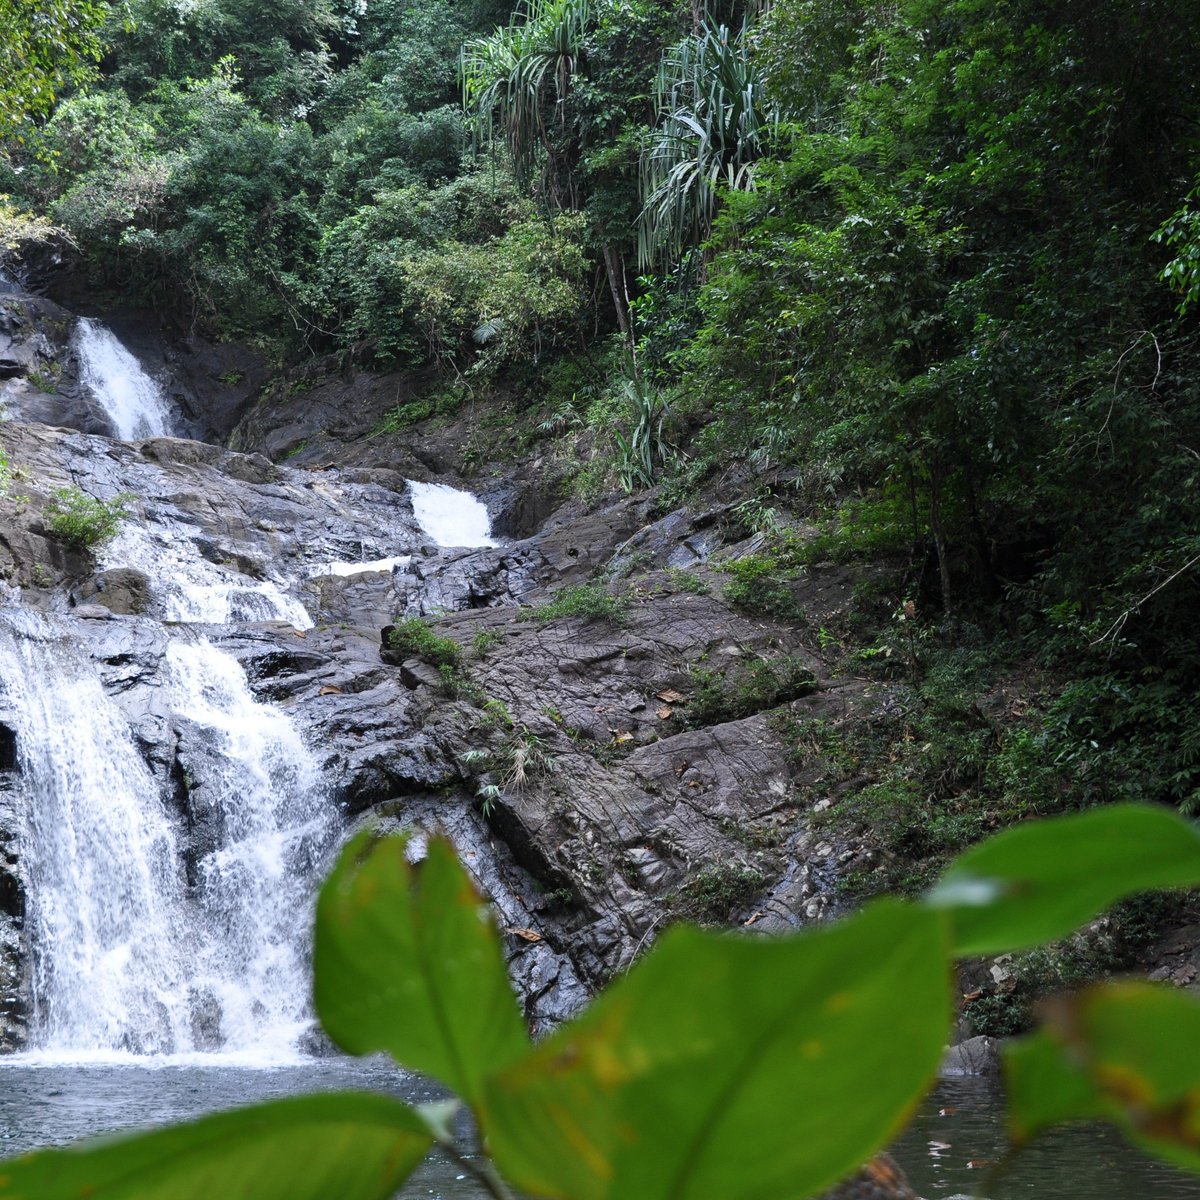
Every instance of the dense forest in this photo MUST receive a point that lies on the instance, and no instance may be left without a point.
(912, 280)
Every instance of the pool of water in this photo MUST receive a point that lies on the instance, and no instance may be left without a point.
(956, 1145)
(44, 1103)
(951, 1148)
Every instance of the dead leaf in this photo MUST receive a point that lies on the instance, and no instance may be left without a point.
(671, 696)
(300, 633)
(623, 736)
(529, 935)
(330, 690)
(665, 712)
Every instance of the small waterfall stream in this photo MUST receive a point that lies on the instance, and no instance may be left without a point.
(168, 918)
(449, 516)
(129, 955)
(132, 401)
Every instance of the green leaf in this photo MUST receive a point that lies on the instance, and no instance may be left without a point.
(732, 1067)
(1128, 1052)
(407, 960)
(354, 1146)
(1043, 879)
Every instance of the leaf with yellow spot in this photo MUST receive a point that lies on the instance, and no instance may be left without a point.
(716, 1043)
(1128, 1053)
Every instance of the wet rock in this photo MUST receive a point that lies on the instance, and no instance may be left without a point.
(975, 1056)
(122, 590)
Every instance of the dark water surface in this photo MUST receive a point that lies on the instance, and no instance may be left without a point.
(955, 1141)
(947, 1150)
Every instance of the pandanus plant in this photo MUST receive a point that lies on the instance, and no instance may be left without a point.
(712, 123)
(522, 75)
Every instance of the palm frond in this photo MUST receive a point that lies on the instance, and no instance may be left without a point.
(712, 122)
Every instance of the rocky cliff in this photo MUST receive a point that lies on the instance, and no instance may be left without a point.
(614, 748)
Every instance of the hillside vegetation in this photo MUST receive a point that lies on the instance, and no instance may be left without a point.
(916, 274)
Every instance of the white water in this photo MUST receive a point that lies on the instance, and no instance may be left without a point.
(128, 958)
(451, 517)
(189, 588)
(133, 402)
(363, 568)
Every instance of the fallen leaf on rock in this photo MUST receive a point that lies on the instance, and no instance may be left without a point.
(671, 696)
(623, 736)
(529, 935)
(665, 712)
(330, 690)
(300, 633)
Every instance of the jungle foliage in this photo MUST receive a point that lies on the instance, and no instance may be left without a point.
(925, 273)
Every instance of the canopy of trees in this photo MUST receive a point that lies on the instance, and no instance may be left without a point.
(929, 269)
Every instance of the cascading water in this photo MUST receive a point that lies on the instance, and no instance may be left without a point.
(132, 401)
(449, 516)
(189, 588)
(105, 884)
(258, 787)
(130, 955)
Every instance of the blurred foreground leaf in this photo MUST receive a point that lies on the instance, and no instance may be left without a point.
(407, 960)
(353, 1146)
(732, 1067)
(1127, 1052)
(1042, 880)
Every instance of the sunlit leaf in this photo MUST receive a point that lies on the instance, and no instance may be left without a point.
(1042, 880)
(732, 1067)
(408, 960)
(1129, 1052)
(354, 1146)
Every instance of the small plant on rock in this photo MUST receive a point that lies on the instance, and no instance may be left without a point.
(416, 637)
(591, 601)
(83, 521)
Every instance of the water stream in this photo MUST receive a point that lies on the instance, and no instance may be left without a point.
(133, 402)
(148, 938)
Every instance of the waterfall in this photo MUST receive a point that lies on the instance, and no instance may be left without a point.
(104, 881)
(449, 516)
(144, 941)
(132, 401)
(192, 589)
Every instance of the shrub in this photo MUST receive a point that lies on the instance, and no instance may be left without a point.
(719, 891)
(84, 521)
(762, 684)
(591, 601)
(415, 637)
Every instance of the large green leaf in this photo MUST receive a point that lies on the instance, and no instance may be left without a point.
(354, 1146)
(1129, 1052)
(732, 1068)
(407, 960)
(1043, 879)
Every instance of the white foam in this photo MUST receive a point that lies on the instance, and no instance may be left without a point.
(451, 517)
(188, 588)
(132, 401)
(362, 568)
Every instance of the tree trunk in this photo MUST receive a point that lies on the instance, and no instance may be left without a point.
(939, 534)
(615, 270)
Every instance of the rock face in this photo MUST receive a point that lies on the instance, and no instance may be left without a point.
(601, 774)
